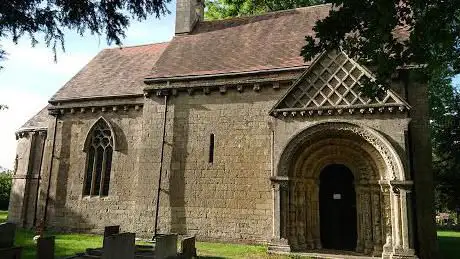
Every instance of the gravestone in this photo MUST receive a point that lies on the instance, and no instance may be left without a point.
(165, 246)
(188, 247)
(109, 231)
(45, 247)
(7, 234)
(119, 246)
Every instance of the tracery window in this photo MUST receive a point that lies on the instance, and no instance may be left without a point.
(99, 149)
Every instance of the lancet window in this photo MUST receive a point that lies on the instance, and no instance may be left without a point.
(99, 149)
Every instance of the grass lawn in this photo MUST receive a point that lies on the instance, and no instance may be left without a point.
(449, 244)
(69, 244)
(3, 215)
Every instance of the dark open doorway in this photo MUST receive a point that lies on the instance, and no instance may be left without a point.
(337, 203)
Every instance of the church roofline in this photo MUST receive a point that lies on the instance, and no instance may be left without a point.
(152, 80)
(93, 98)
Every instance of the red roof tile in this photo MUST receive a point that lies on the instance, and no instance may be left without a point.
(113, 72)
(263, 42)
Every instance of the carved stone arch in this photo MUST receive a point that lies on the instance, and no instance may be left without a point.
(363, 163)
(107, 123)
(360, 169)
(382, 226)
(394, 168)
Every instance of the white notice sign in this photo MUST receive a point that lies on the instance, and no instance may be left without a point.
(337, 196)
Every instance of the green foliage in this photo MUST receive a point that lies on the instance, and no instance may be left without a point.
(219, 9)
(3, 216)
(50, 18)
(5, 189)
(387, 35)
(446, 148)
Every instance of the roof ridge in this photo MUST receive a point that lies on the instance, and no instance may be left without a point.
(137, 46)
(265, 14)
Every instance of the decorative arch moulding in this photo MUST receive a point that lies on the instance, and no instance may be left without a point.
(394, 169)
(95, 109)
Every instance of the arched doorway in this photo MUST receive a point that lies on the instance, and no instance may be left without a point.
(337, 202)
(382, 203)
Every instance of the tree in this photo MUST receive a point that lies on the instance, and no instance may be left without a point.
(49, 18)
(5, 189)
(446, 153)
(219, 9)
(387, 35)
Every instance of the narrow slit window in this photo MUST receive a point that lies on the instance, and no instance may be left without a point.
(211, 148)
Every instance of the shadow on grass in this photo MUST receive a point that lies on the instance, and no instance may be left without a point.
(449, 244)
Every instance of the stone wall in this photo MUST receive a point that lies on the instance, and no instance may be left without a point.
(68, 208)
(15, 210)
(24, 192)
(229, 199)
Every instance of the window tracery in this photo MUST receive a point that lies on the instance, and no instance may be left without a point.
(99, 149)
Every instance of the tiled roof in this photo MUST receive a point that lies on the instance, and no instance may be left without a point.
(113, 72)
(39, 120)
(243, 44)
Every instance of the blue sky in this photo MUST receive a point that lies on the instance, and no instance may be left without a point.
(30, 76)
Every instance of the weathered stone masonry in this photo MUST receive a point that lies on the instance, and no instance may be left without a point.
(277, 123)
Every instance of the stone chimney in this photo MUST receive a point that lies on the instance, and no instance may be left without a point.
(188, 13)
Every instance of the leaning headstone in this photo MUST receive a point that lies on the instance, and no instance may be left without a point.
(7, 233)
(188, 247)
(165, 246)
(45, 247)
(119, 246)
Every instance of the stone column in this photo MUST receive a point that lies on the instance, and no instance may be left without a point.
(359, 217)
(376, 220)
(403, 244)
(292, 216)
(387, 226)
(310, 212)
(280, 206)
(315, 216)
(300, 214)
(367, 220)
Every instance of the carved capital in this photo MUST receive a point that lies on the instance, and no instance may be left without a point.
(280, 182)
(398, 186)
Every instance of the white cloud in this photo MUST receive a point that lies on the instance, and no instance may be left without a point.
(22, 106)
(42, 59)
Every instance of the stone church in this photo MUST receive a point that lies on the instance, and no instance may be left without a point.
(242, 139)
